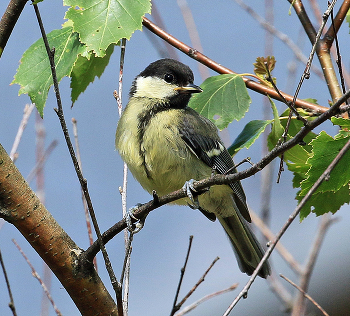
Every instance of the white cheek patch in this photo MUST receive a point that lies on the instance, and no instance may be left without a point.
(154, 87)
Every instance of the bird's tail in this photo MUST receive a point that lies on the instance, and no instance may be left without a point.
(248, 250)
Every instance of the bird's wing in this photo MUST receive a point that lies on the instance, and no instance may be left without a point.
(212, 152)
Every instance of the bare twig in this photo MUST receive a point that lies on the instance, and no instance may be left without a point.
(269, 235)
(40, 192)
(267, 173)
(280, 291)
(128, 250)
(28, 109)
(338, 21)
(196, 285)
(299, 305)
(37, 276)
(187, 309)
(306, 295)
(320, 47)
(291, 218)
(163, 48)
(82, 180)
(306, 73)
(338, 58)
(281, 36)
(193, 33)
(183, 269)
(125, 275)
(12, 302)
(85, 206)
(41, 161)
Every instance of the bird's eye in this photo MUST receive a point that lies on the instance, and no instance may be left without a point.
(168, 78)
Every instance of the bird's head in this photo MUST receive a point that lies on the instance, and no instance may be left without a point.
(167, 80)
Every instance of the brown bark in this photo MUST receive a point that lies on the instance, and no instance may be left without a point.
(21, 207)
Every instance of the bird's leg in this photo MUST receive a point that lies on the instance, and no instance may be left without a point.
(129, 216)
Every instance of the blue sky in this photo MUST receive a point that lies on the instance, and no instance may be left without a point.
(230, 37)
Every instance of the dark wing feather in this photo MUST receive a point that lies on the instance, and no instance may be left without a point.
(211, 151)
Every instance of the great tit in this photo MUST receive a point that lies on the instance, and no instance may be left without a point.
(166, 144)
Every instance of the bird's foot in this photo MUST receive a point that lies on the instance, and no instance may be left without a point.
(138, 224)
(188, 189)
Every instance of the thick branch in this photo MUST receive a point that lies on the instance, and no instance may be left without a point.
(338, 21)
(9, 20)
(322, 50)
(21, 207)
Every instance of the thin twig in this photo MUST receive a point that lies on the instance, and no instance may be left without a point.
(125, 275)
(85, 206)
(280, 291)
(269, 235)
(183, 269)
(188, 308)
(306, 73)
(83, 182)
(338, 21)
(28, 109)
(163, 48)
(305, 294)
(299, 305)
(40, 192)
(338, 58)
(12, 302)
(293, 64)
(37, 276)
(291, 218)
(291, 107)
(267, 173)
(258, 87)
(197, 284)
(193, 33)
(39, 164)
(264, 23)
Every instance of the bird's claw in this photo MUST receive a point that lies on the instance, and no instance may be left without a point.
(188, 189)
(134, 228)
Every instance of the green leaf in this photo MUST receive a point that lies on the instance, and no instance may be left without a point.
(34, 72)
(325, 149)
(101, 23)
(311, 100)
(348, 17)
(86, 69)
(247, 137)
(324, 202)
(277, 128)
(340, 121)
(224, 95)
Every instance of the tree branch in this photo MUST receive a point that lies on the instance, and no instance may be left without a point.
(291, 218)
(200, 186)
(338, 21)
(21, 207)
(9, 20)
(253, 85)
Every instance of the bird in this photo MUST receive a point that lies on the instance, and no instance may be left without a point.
(168, 145)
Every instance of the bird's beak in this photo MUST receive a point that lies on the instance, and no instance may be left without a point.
(190, 88)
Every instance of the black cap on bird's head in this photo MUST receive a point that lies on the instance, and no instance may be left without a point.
(166, 79)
